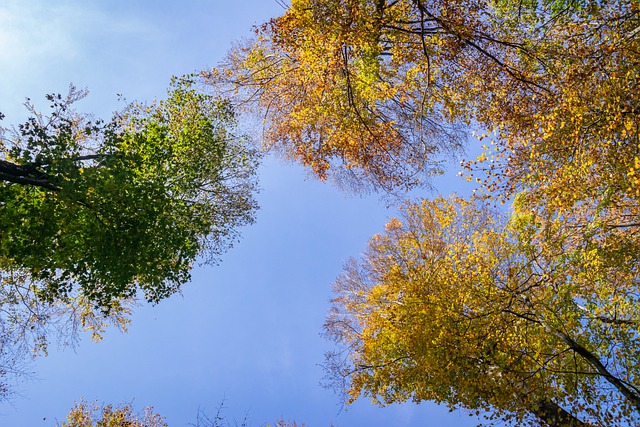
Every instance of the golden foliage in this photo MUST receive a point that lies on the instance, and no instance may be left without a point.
(532, 317)
(456, 304)
(378, 90)
(93, 415)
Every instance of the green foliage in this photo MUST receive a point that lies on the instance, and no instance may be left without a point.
(111, 208)
(532, 7)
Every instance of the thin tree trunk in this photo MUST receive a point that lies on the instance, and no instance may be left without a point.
(25, 175)
(556, 416)
(602, 370)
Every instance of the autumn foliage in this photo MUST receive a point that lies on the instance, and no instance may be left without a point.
(378, 91)
(529, 316)
(456, 303)
(86, 414)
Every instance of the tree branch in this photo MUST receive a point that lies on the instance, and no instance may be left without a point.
(25, 175)
(556, 416)
(597, 364)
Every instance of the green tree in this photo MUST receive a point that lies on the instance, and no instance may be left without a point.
(456, 303)
(103, 210)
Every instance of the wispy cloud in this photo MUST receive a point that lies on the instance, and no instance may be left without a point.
(41, 30)
(33, 32)
(44, 45)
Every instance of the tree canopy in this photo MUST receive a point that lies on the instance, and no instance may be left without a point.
(377, 91)
(532, 316)
(458, 303)
(104, 210)
(85, 414)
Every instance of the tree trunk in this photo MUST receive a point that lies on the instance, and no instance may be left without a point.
(555, 416)
(25, 175)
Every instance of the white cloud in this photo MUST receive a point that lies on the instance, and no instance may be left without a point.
(45, 45)
(34, 33)
(40, 30)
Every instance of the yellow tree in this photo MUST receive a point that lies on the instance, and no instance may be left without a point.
(377, 92)
(92, 415)
(345, 94)
(85, 414)
(456, 304)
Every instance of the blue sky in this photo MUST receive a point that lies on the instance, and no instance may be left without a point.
(247, 331)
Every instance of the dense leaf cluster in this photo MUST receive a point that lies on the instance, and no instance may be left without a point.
(94, 214)
(113, 208)
(533, 317)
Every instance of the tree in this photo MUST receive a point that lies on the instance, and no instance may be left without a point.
(28, 325)
(542, 306)
(105, 210)
(333, 96)
(92, 415)
(458, 304)
(377, 91)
